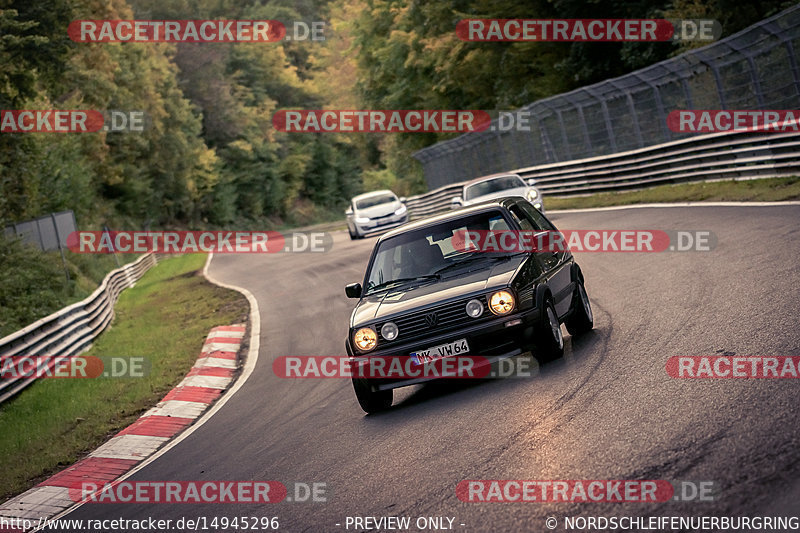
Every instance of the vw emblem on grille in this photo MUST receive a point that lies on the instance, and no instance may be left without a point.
(431, 319)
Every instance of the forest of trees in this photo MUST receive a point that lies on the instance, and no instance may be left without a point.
(209, 155)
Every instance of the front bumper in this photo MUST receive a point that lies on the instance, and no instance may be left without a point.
(496, 339)
(381, 224)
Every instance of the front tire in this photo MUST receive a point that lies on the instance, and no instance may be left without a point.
(549, 338)
(371, 401)
(582, 319)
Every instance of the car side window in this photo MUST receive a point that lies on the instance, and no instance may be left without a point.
(538, 218)
(522, 218)
(498, 224)
(536, 223)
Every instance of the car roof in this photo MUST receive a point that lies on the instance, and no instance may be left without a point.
(372, 193)
(491, 177)
(497, 203)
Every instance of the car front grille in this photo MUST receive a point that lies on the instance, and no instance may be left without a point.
(384, 220)
(423, 323)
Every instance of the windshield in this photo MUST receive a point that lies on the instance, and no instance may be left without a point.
(421, 255)
(372, 201)
(482, 188)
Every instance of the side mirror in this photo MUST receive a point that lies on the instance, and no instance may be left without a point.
(402, 199)
(349, 211)
(353, 290)
(456, 202)
(531, 182)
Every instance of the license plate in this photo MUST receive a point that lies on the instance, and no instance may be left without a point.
(440, 352)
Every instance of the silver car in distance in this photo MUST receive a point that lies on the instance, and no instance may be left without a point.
(375, 211)
(497, 186)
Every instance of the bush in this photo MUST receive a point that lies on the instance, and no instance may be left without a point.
(32, 285)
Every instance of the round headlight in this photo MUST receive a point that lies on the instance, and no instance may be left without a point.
(366, 339)
(389, 331)
(474, 308)
(532, 194)
(501, 302)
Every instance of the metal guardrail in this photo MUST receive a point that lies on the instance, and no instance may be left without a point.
(715, 156)
(71, 330)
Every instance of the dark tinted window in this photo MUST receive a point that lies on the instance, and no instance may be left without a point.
(372, 201)
(423, 251)
(492, 186)
(525, 222)
(538, 219)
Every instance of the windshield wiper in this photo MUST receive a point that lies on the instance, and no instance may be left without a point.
(393, 282)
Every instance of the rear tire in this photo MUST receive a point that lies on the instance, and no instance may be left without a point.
(371, 402)
(582, 319)
(549, 338)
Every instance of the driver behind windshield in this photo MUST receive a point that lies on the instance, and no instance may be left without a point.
(420, 258)
(425, 252)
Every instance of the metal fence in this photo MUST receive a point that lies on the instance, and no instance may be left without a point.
(756, 68)
(715, 156)
(70, 331)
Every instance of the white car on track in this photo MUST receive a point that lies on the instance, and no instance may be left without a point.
(375, 211)
(497, 186)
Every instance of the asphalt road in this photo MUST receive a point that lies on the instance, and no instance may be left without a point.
(608, 410)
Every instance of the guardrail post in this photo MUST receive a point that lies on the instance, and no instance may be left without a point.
(60, 248)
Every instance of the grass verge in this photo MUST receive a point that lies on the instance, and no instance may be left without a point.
(165, 319)
(761, 190)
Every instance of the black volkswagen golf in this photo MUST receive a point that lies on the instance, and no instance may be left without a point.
(428, 296)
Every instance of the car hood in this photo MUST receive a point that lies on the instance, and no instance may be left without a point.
(379, 210)
(518, 191)
(407, 298)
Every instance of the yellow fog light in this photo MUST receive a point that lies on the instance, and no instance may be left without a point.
(501, 302)
(365, 339)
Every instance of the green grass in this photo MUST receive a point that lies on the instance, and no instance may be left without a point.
(761, 190)
(165, 319)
